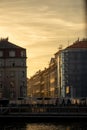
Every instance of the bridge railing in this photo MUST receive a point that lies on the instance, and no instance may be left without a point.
(40, 109)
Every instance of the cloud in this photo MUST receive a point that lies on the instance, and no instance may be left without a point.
(41, 25)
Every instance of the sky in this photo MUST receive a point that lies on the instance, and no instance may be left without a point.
(41, 26)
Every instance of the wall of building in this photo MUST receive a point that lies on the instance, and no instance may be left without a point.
(75, 72)
(13, 73)
(44, 83)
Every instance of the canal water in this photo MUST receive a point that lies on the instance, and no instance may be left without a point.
(43, 126)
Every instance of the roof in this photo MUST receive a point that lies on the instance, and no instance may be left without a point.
(5, 44)
(78, 44)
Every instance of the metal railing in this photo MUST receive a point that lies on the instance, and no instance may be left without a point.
(43, 109)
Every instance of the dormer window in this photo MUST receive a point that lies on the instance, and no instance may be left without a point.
(12, 53)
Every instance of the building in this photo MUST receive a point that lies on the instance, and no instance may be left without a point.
(66, 75)
(59, 71)
(13, 81)
(34, 86)
(44, 83)
(53, 78)
(73, 70)
(45, 90)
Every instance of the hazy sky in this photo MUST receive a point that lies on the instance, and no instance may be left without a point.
(41, 26)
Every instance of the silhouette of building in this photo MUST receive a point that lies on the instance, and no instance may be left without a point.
(12, 70)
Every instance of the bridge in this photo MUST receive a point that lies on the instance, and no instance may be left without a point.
(43, 112)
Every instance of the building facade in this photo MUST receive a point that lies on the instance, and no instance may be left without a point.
(45, 90)
(35, 85)
(13, 81)
(73, 70)
(53, 76)
(66, 75)
(44, 83)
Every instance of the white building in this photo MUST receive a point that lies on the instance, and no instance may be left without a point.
(13, 81)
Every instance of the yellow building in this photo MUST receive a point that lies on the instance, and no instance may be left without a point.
(44, 83)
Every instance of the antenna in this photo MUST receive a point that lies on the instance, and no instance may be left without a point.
(60, 47)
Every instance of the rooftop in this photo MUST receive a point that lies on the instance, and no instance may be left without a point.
(78, 44)
(5, 44)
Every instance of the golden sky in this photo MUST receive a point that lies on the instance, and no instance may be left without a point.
(41, 26)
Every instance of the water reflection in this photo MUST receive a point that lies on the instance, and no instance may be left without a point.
(43, 126)
(56, 126)
(13, 126)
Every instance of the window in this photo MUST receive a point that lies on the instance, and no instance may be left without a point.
(12, 84)
(1, 53)
(0, 73)
(12, 73)
(1, 94)
(0, 85)
(67, 89)
(1, 64)
(12, 63)
(12, 53)
(23, 73)
(22, 53)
